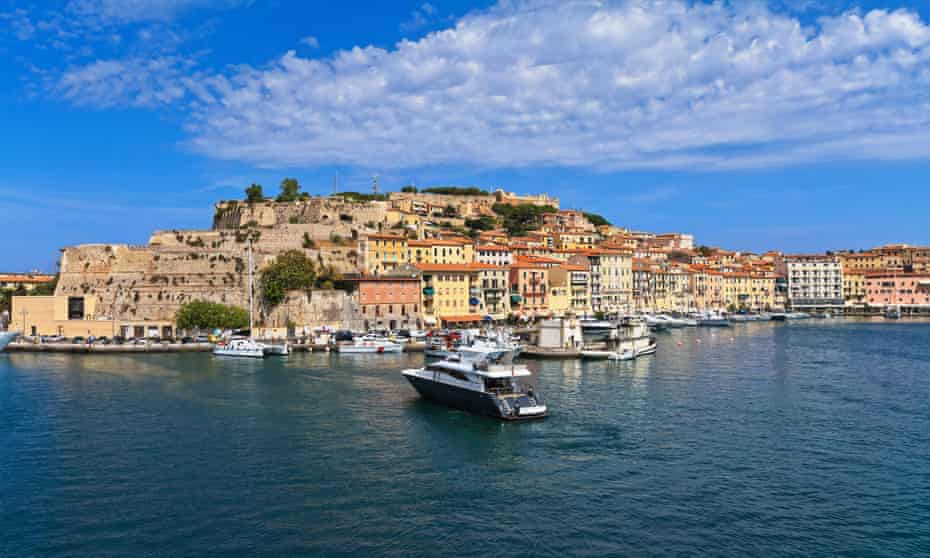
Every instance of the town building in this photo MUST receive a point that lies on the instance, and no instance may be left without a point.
(24, 282)
(611, 279)
(493, 254)
(529, 283)
(910, 291)
(72, 316)
(814, 281)
(390, 301)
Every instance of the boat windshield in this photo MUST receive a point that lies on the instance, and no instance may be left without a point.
(502, 385)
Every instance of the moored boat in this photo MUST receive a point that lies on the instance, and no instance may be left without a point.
(596, 354)
(7, 337)
(239, 348)
(485, 387)
(370, 344)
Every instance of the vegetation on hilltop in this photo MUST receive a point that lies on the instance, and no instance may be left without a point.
(360, 197)
(596, 220)
(42, 289)
(409, 189)
(456, 191)
(203, 315)
(254, 193)
(290, 191)
(518, 219)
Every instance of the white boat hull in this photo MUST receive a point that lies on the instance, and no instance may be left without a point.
(257, 353)
(368, 349)
(6, 338)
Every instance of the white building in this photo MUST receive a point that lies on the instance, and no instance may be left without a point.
(493, 254)
(813, 281)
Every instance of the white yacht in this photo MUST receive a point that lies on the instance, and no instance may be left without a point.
(370, 344)
(595, 354)
(7, 337)
(240, 348)
(713, 319)
(483, 386)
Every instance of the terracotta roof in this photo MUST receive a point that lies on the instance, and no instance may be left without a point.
(26, 278)
(573, 267)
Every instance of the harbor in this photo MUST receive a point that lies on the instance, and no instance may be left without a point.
(723, 440)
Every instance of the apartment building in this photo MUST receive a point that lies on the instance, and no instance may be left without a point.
(813, 280)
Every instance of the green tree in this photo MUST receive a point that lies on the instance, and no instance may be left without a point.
(309, 243)
(291, 271)
(483, 223)
(518, 219)
(254, 193)
(450, 211)
(456, 191)
(409, 189)
(596, 220)
(290, 190)
(204, 315)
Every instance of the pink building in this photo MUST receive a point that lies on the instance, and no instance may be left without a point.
(904, 289)
(391, 302)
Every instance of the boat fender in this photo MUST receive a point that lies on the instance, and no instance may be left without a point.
(516, 409)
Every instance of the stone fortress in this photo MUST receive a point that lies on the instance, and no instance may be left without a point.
(151, 282)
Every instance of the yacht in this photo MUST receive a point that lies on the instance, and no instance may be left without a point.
(7, 337)
(240, 348)
(670, 321)
(370, 344)
(485, 386)
(713, 319)
(633, 335)
(597, 354)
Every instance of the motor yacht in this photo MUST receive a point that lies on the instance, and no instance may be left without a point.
(370, 344)
(485, 386)
(596, 354)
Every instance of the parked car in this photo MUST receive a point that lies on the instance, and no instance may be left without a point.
(119, 340)
(104, 340)
(202, 339)
(77, 340)
(187, 340)
(155, 339)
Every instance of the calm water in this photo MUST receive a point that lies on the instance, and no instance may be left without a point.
(801, 439)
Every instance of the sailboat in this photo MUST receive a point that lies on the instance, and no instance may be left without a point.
(246, 347)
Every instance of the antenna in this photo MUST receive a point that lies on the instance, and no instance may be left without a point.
(374, 186)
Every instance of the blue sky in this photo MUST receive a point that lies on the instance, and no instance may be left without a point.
(800, 125)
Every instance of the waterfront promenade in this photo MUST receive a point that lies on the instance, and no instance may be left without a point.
(800, 439)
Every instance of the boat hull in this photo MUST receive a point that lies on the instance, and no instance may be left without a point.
(6, 338)
(240, 354)
(378, 349)
(476, 402)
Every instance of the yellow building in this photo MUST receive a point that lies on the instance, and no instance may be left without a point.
(573, 283)
(576, 240)
(451, 292)
(72, 316)
(24, 281)
(384, 252)
(440, 251)
(854, 290)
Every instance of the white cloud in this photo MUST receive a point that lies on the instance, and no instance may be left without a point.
(132, 11)
(605, 85)
(19, 22)
(638, 84)
(143, 82)
(310, 41)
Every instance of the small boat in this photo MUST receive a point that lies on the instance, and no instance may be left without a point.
(713, 320)
(485, 387)
(671, 322)
(370, 345)
(742, 318)
(7, 337)
(594, 354)
(240, 348)
(893, 312)
(822, 315)
(649, 349)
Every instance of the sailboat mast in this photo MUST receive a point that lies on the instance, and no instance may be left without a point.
(251, 289)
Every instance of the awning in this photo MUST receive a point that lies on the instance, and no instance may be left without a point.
(462, 319)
